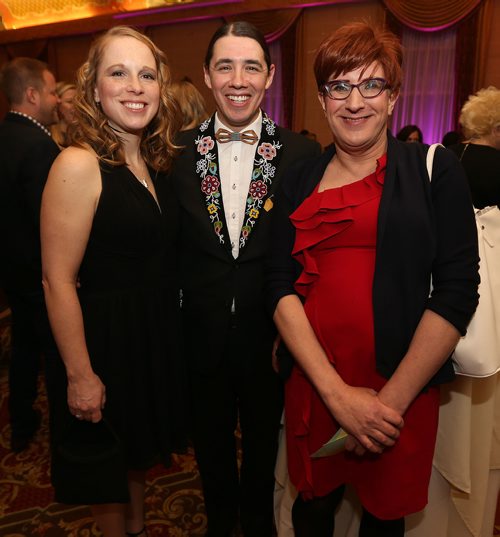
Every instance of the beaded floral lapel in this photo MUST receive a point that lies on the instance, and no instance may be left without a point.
(267, 156)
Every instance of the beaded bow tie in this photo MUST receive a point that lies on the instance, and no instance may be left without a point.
(248, 137)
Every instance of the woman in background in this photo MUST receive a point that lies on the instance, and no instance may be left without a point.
(480, 153)
(66, 112)
(364, 230)
(106, 223)
(451, 138)
(465, 481)
(410, 133)
(191, 103)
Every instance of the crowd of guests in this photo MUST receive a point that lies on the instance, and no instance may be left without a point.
(173, 247)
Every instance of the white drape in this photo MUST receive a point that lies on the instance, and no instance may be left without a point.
(273, 100)
(428, 91)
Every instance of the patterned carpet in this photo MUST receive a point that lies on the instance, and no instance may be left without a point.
(174, 502)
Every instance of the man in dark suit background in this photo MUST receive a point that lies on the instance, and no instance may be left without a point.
(26, 155)
(225, 181)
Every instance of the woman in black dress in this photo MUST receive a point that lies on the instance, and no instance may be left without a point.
(109, 280)
(480, 153)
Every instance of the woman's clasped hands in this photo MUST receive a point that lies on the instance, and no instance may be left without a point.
(372, 425)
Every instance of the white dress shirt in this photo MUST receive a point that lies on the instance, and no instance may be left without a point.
(236, 161)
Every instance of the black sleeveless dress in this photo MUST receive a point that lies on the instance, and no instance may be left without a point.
(129, 299)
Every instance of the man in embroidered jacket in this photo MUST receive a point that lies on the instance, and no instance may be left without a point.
(225, 181)
(26, 154)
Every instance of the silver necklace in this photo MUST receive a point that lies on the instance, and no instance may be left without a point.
(37, 123)
(143, 182)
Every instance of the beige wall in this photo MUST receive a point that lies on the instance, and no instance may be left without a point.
(68, 63)
(492, 60)
(185, 46)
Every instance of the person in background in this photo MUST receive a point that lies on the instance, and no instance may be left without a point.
(480, 153)
(225, 181)
(308, 134)
(65, 111)
(191, 103)
(26, 153)
(410, 133)
(357, 236)
(465, 483)
(109, 275)
(451, 138)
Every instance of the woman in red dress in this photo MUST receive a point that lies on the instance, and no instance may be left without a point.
(358, 235)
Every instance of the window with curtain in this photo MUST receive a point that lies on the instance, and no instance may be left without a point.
(428, 91)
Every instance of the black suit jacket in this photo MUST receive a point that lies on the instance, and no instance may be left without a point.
(26, 155)
(210, 277)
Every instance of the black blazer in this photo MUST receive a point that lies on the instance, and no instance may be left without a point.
(26, 155)
(210, 277)
(482, 167)
(424, 228)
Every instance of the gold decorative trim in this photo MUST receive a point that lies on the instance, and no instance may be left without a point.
(24, 13)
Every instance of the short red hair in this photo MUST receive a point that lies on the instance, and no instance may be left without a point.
(358, 45)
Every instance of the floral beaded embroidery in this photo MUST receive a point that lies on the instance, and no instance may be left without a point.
(205, 144)
(269, 125)
(204, 126)
(262, 175)
(210, 183)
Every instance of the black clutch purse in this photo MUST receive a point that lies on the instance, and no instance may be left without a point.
(87, 442)
(89, 464)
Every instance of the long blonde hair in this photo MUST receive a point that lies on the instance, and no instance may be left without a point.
(191, 102)
(91, 128)
(59, 130)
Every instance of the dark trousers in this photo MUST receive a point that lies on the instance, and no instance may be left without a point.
(31, 338)
(244, 387)
(316, 518)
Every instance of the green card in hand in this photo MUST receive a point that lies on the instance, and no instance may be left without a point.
(335, 445)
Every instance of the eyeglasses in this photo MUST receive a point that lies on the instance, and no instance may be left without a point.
(369, 88)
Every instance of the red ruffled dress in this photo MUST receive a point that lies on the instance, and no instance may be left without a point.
(336, 245)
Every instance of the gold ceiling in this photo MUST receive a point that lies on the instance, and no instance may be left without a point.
(23, 13)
